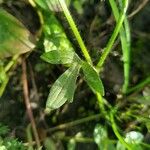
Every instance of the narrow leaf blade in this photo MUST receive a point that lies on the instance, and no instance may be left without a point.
(92, 78)
(63, 89)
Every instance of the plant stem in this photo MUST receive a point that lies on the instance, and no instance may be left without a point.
(75, 31)
(114, 127)
(78, 139)
(113, 37)
(11, 63)
(101, 105)
(3, 85)
(73, 123)
(6, 69)
(139, 86)
(125, 43)
(27, 103)
(126, 56)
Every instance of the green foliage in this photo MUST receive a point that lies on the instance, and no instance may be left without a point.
(134, 139)
(55, 37)
(3, 129)
(71, 144)
(92, 78)
(59, 50)
(12, 32)
(125, 43)
(51, 5)
(101, 138)
(49, 144)
(63, 89)
(61, 56)
(13, 144)
(9, 143)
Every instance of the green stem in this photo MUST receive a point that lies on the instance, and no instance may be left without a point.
(6, 69)
(113, 37)
(140, 85)
(125, 43)
(126, 56)
(75, 31)
(3, 85)
(11, 63)
(78, 139)
(101, 105)
(73, 123)
(114, 127)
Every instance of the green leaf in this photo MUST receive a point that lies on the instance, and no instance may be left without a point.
(92, 78)
(3, 129)
(100, 135)
(71, 145)
(14, 37)
(63, 89)
(42, 4)
(49, 144)
(60, 57)
(134, 139)
(101, 138)
(55, 37)
(52, 5)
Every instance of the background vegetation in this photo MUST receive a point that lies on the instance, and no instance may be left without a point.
(74, 74)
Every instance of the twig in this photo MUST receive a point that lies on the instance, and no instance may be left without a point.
(141, 6)
(27, 103)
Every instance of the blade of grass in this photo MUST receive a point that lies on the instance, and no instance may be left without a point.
(139, 86)
(126, 56)
(3, 86)
(74, 123)
(125, 43)
(113, 37)
(75, 31)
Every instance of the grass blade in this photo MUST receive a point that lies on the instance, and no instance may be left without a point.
(113, 37)
(125, 43)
